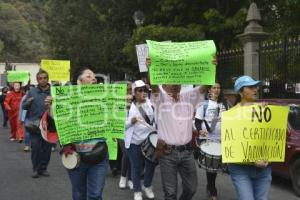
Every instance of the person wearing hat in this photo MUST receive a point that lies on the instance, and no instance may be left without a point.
(252, 181)
(140, 119)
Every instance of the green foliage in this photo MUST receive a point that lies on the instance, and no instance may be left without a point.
(20, 33)
(102, 33)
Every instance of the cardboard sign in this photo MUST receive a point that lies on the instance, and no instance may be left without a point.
(182, 62)
(18, 76)
(254, 132)
(142, 54)
(84, 112)
(58, 70)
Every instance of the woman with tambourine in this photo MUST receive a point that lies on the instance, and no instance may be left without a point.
(208, 124)
(86, 161)
(139, 125)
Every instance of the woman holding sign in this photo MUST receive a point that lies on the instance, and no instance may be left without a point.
(208, 124)
(88, 177)
(252, 181)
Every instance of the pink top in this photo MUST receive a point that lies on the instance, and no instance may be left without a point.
(174, 119)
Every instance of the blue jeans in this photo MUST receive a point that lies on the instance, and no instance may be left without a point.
(181, 162)
(27, 136)
(136, 157)
(250, 182)
(88, 180)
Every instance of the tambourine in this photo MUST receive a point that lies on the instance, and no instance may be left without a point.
(71, 161)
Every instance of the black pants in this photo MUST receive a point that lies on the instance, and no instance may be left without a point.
(125, 170)
(211, 183)
(5, 117)
(40, 152)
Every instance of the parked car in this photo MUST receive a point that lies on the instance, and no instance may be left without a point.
(291, 167)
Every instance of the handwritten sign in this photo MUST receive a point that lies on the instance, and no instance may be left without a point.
(256, 132)
(58, 70)
(84, 112)
(112, 145)
(18, 76)
(182, 62)
(142, 54)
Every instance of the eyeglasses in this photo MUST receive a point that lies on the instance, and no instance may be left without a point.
(142, 90)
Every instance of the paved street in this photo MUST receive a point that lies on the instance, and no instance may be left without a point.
(16, 182)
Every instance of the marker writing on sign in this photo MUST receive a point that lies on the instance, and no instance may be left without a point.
(264, 113)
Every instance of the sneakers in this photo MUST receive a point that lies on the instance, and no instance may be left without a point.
(122, 183)
(44, 173)
(138, 196)
(148, 192)
(214, 198)
(12, 139)
(130, 185)
(35, 174)
(26, 149)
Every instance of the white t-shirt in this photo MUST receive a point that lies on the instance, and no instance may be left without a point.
(212, 117)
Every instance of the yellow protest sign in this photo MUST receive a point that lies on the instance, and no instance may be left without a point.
(58, 70)
(255, 132)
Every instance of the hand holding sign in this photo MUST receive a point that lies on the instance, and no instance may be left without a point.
(254, 133)
(182, 62)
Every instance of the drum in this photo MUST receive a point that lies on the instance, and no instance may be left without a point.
(71, 161)
(210, 157)
(149, 145)
(47, 135)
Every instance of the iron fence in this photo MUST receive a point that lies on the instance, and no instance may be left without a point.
(230, 66)
(280, 68)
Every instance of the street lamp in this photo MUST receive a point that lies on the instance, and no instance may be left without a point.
(138, 17)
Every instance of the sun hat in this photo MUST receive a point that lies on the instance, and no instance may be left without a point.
(137, 84)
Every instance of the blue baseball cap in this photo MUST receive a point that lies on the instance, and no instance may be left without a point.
(244, 81)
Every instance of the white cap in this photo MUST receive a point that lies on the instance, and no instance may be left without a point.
(137, 84)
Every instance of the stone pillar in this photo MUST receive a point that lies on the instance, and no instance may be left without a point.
(251, 38)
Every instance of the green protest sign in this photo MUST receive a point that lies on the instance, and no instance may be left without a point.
(83, 112)
(182, 62)
(112, 148)
(18, 76)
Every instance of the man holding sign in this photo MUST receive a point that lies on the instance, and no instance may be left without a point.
(252, 135)
(174, 112)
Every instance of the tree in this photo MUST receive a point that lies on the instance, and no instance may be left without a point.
(20, 33)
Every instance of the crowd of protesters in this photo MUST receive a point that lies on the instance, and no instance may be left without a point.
(165, 111)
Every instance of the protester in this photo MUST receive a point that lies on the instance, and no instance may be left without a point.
(12, 106)
(252, 181)
(87, 179)
(125, 166)
(35, 106)
(174, 117)
(141, 109)
(2, 98)
(22, 118)
(208, 123)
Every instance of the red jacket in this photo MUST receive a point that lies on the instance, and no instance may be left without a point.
(12, 101)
